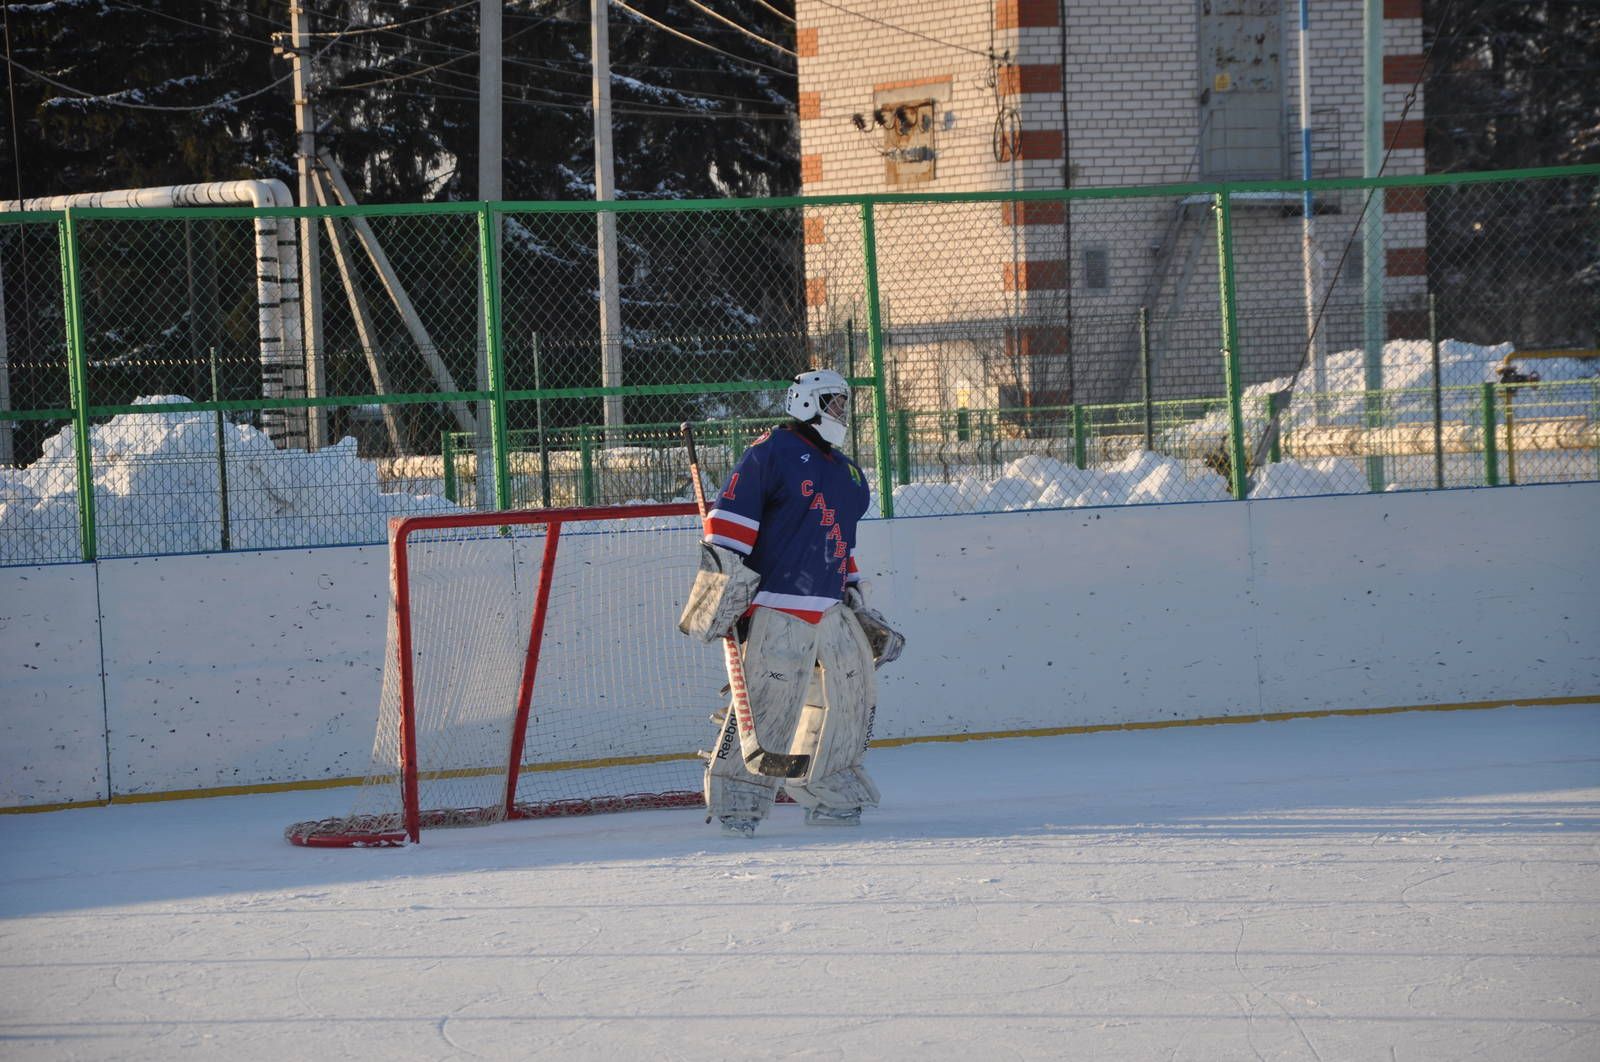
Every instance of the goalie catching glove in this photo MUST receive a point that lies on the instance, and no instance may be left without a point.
(886, 642)
(722, 591)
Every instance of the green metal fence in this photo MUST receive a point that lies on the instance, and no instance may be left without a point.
(196, 380)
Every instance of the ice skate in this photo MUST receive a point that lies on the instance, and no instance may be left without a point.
(821, 816)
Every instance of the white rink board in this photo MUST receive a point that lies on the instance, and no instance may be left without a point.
(52, 714)
(1067, 618)
(256, 668)
(1376, 600)
(243, 668)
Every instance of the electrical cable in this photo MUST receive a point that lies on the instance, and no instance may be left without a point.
(220, 103)
(696, 42)
(899, 29)
(219, 30)
(786, 17)
(11, 96)
(697, 5)
(1272, 430)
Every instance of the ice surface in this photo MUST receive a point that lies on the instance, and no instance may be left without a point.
(1416, 886)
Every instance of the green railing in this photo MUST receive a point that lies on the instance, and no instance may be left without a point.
(162, 389)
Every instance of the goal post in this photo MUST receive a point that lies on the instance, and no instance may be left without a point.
(533, 668)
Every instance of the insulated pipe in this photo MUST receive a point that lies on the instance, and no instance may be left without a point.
(277, 266)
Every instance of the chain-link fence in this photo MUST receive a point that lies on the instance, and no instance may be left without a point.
(193, 380)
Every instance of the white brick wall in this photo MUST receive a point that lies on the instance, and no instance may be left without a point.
(1132, 118)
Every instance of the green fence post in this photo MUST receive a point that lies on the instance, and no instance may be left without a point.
(538, 406)
(880, 397)
(1276, 403)
(1491, 456)
(850, 374)
(78, 382)
(1438, 394)
(1080, 436)
(447, 456)
(491, 338)
(902, 439)
(1230, 344)
(585, 465)
(222, 454)
(1144, 379)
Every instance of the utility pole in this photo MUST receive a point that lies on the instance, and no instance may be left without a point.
(310, 359)
(490, 188)
(605, 179)
(1308, 215)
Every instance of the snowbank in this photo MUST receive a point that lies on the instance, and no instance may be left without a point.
(158, 489)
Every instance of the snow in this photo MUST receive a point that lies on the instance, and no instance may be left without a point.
(1419, 886)
(157, 488)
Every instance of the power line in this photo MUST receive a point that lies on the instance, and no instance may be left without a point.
(748, 33)
(696, 42)
(406, 22)
(901, 29)
(219, 30)
(786, 17)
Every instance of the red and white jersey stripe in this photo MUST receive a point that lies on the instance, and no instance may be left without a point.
(729, 529)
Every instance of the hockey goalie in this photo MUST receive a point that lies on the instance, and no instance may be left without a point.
(778, 582)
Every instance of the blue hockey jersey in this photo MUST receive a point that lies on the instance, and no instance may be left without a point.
(792, 510)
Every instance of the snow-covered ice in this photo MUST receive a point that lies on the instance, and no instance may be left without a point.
(1415, 886)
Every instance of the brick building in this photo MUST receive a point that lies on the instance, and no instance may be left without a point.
(1038, 303)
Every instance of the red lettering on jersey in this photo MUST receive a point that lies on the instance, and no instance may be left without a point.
(827, 517)
(806, 489)
(732, 486)
(819, 502)
(839, 550)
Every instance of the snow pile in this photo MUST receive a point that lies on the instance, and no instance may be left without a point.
(158, 489)
(1036, 482)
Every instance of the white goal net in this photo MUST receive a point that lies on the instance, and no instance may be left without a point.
(534, 668)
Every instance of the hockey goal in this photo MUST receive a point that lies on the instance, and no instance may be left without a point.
(533, 669)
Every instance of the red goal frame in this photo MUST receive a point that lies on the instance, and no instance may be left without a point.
(334, 833)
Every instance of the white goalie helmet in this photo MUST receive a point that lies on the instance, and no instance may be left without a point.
(821, 398)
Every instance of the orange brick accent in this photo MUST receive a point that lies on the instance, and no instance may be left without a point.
(1402, 69)
(1049, 274)
(1036, 144)
(911, 82)
(816, 230)
(1402, 8)
(1036, 342)
(1023, 14)
(1407, 262)
(1410, 134)
(810, 169)
(1405, 200)
(1037, 77)
(805, 43)
(1032, 213)
(817, 292)
(810, 105)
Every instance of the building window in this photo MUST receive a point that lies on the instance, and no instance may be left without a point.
(1096, 268)
(908, 147)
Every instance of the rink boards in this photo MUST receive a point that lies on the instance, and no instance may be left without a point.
(139, 678)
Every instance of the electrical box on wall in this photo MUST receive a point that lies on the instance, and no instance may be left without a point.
(908, 148)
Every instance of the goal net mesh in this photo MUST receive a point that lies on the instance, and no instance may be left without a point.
(619, 699)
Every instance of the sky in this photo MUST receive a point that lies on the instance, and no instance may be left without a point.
(1423, 885)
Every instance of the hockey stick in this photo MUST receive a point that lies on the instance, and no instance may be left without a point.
(757, 759)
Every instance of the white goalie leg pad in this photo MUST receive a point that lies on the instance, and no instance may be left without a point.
(730, 789)
(779, 655)
(836, 722)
